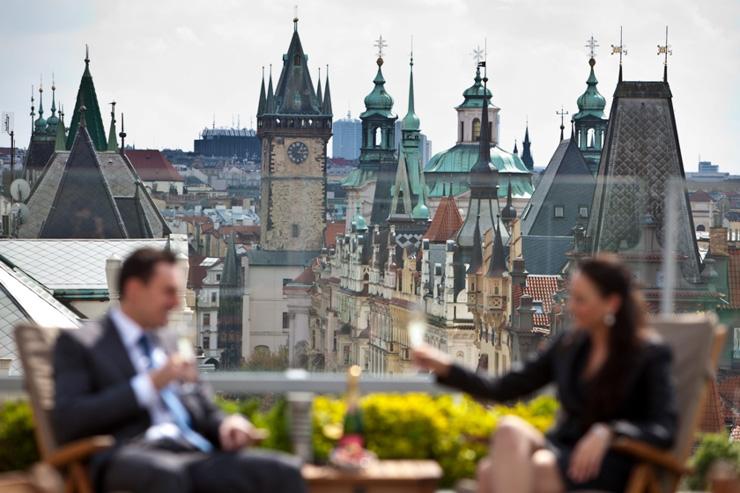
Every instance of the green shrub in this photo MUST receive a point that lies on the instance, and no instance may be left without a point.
(713, 447)
(17, 441)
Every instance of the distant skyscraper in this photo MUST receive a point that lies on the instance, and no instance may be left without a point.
(347, 138)
(228, 142)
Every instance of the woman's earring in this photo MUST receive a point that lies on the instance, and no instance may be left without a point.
(609, 319)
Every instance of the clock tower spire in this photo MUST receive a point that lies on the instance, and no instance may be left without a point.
(293, 128)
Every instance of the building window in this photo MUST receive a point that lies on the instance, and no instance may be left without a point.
(346, 355)
(297, 60)
(286, 320)
(207, 319)
(218, 277)
(294, 231)
(206, 342)
(583, 211)
(462, 131)
(214, 297)
(476, 129)
(559, 211)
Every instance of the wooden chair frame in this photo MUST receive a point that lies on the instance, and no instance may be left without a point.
(35, 346)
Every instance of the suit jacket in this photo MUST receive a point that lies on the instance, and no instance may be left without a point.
(647, 411)
(93, 394)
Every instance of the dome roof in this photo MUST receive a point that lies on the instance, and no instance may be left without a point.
(591, 102)
(40, 124)
(462, 157)
(378, 101)
(410, 122)
(474, 95)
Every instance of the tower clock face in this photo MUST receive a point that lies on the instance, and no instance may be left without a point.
(297, 152)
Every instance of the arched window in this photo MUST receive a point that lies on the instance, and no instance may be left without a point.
(591, 138)
(378, 138)
(462, 131)
(701, 228)
(476, 129)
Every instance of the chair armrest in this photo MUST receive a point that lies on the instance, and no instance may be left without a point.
(79, 450)
(649, 453)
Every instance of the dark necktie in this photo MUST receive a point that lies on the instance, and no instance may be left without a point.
(173, 404)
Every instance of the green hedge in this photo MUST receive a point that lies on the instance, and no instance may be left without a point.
(712, 447)
(17, 441)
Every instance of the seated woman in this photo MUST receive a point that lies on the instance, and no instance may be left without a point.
(612, 377)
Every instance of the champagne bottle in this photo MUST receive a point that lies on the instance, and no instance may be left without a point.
(353, 430)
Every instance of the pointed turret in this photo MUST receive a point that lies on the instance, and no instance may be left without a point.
(497, 264)
(516, 150)
(421, 211)
(319, 97)
(270, 95)
(482, 177)
(526, 150)
(508, 213)
(53, 120)
(261, 106)
(87, 97)
(60, 143)
(476, 259)
(230, 309)
(112, 140)
(40, 125)
(590, 123)
(410, 122)
(326, 103)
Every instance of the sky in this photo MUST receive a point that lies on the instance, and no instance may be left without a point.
(171, 65)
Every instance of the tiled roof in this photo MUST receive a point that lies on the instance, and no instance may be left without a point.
(729, 391)
(446, 222)
(71, 264)
(734, 278)
(24, 299)
(700, 196)
(712, 420)
(542, 289)
(330, 233)
(545, 254)
(151, 165)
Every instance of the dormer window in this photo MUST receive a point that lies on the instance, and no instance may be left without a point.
(297, 60)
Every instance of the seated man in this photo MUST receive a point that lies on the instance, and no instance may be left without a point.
(122, 376)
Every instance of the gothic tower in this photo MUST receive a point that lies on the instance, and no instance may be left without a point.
(590, 122)
(294, 126)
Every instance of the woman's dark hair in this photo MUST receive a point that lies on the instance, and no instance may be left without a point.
(141, 265)
(611, 277)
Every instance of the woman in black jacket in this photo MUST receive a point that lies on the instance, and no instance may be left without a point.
(612, 377)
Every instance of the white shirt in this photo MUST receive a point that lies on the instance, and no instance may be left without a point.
(146, 394)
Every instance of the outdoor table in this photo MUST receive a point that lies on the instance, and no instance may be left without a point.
(386, 476)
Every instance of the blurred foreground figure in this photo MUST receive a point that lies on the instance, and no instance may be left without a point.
(612, 376)
(123, 376)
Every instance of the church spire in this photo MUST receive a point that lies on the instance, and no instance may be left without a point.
(263, 97)
(516, 151)
(87, 97)
(60, 143)
(482, 177)
(40, 124)
(112, 141)
(476, 260)
(497, 265)
(319, 97)
(326, 104)
(53, 120)
(270, 95)
(526, 150)
(33, 108)
(411, 121)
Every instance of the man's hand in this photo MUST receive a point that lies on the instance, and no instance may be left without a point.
(429, 358)
(177, 369)
(236, 433)
(585, 463)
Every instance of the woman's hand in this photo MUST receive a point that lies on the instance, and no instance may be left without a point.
(428, 358)
(585, 462)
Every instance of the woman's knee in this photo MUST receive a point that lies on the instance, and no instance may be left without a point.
(546, 473)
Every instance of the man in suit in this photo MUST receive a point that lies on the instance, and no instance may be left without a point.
(122, 376)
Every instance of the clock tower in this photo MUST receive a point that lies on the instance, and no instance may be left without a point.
(294, 125)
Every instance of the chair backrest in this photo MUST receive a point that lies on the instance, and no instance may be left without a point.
(36, 346)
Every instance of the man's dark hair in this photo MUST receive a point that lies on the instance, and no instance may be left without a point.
(141, 265)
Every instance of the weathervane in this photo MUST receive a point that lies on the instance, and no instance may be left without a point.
(622, 50)
(380, 43)
(478, 54)
(592, 44)
(665, 50)
(562, 113)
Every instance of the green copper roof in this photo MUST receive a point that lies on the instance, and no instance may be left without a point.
(462, 157)
(112, 140)
(40, 124)
(411, 121)
(60, 143)
(591, 102)
(358, 177)
(87, 97)
(53, 120)
(358, 221)
(475, 94)
(378, 102)
(521, 186)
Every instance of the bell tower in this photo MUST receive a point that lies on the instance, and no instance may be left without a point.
(294, 125)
